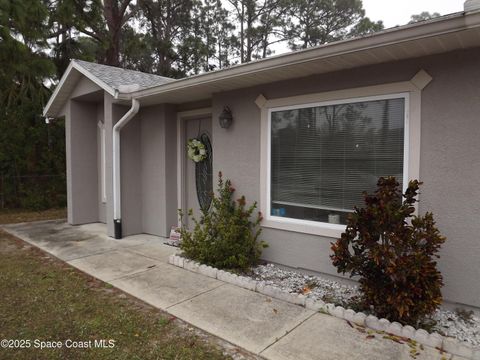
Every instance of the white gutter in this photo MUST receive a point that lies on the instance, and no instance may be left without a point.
(117, 196)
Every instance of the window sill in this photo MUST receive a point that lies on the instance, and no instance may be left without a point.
(304, 226)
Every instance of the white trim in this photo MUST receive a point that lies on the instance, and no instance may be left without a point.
(409, 91)
(453, 23)
(103, 162)
(181, 117)
(75, 66)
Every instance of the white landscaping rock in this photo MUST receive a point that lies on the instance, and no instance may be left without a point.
(191, 265)
(408, 332)
(421, 336)
(359, 318)
(245, 282)
(296, 282)
(435, 340)
(314, 305)
(383, 324)
(395, 328)
(223, 275)
(338, 312)
(207, 271)
(349, 315)
(268, 290)
(180, 261)
(298, 299)
(171, 259)
(453, 325)
(372, 322)
(233, 279)
(330, 308)
(176, 260)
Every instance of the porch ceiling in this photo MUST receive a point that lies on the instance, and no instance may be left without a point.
(448, 33)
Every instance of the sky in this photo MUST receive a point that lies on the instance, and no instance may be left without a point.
(398, 12)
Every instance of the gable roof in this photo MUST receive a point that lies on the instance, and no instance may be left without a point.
(109, 78)
(116, 77)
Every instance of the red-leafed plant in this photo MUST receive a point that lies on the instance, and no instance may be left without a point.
(393, 252)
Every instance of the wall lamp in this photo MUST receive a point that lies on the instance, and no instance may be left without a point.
(225, 119)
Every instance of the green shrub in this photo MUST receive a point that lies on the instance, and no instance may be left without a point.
(393, 252)
(225, 236)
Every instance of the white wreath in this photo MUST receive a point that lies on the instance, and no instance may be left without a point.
(196, 150)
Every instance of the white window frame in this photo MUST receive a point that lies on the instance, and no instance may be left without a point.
(410, 90)
(405, 96)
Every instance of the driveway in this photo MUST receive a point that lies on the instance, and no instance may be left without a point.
(264, 326)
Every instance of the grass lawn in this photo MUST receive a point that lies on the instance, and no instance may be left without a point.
(46, 299)
(18, 216)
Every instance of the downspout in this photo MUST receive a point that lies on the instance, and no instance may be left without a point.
(117, 195)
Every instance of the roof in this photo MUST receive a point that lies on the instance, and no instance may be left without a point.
(447, 33)
(440, 35)
(109, 78)
(116, 77)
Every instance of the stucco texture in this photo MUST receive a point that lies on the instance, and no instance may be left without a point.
(148, 172)
(450, 160)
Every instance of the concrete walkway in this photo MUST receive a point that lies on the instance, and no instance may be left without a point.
(264, 326)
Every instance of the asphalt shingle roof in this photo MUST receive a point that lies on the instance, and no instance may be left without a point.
(114, 76)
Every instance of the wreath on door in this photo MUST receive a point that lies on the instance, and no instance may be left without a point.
(196, 150)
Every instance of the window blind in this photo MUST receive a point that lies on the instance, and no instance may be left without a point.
(324, 157)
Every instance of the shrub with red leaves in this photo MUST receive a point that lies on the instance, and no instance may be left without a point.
(393, 252)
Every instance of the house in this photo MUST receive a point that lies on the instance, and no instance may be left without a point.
(310, 130)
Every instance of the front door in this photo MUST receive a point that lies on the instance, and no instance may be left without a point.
(198, 176)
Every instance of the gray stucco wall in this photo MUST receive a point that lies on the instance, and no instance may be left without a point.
(82, 174)
(450, 160)
(153, 165)
(159, 172)
(148, 168)
(131, 175)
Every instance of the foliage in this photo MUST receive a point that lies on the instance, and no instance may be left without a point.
(225, 236)
(196, 150)
(393, 252)
(366, 27)
(28, 146)
(175, 38)
(425, 15)
(321, 21)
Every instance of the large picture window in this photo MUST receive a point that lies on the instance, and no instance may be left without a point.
(323, 156)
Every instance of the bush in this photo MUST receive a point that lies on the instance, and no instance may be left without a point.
(225, 236)
(393, 252)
